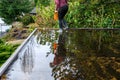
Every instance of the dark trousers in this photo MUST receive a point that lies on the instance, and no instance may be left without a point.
(61, 13)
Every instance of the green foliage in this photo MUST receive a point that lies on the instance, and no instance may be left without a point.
(43, 2)
(85, 14)
(11, 10)
(45, 15)
(1, 41)
(5, 51)
(27, 19)
(94, 13)
(35, 1)
(73, 16)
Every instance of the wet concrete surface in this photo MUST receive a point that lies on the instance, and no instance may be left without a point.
(32, 63)
(71, 55)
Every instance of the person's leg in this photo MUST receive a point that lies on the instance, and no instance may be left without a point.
(64, 24)
(60, 17)
(60, 20)
(60, 24)
(61, 13)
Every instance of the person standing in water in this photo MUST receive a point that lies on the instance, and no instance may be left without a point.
(61, 6)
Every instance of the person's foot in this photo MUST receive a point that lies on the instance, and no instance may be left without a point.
(60, 30)
(65, 28)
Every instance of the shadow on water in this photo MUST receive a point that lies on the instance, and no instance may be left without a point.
(71, 55)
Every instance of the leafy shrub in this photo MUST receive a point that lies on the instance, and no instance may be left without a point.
(1, 41)
(27, 19)
(5, 51)
(84, 13)
(10, 10)
(44, 17)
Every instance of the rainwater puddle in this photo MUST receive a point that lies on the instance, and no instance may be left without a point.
(71, 55)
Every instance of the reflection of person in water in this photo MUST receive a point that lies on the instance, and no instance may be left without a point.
(59, 51)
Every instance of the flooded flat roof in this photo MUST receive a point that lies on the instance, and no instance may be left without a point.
(70, 55)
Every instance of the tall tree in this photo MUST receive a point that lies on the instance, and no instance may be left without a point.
(10, 10)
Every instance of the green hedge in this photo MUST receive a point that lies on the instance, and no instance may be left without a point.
(84, 14)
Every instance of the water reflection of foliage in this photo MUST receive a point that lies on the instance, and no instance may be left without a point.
(46, 36)
(91, 55)
(98, 52)
(68, 70)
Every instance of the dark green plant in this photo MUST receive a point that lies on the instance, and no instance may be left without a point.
(27, 19)
(10, 10)
(44, 3)
(84, 14)
(1, 41)
(5, 51)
